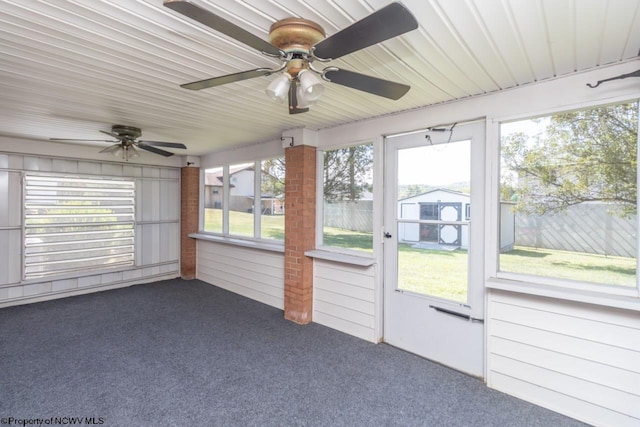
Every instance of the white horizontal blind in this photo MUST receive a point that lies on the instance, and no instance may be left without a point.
(77, 224)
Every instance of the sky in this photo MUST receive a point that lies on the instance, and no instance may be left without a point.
(435, 165)
(529, 127)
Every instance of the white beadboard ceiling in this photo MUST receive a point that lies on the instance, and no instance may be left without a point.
(69, 68)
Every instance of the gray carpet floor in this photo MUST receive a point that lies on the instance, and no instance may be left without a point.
(187, 353)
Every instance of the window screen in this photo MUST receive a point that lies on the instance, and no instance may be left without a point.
(568, 190)
(77, 224)
(347, 176)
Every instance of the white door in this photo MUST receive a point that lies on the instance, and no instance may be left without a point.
(434, 246)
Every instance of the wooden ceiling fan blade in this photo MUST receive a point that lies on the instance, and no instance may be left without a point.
(374, 85)
(163, 144)
(220, 24)
(390, 21)
(153, 149)
(229, 78)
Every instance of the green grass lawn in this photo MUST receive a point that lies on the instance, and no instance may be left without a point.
(593, 268)
(347, 239)
(241, 224)
(439, 273)
(442, 273)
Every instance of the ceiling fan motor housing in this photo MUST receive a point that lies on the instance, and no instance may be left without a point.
(126, 132)
(296, 36)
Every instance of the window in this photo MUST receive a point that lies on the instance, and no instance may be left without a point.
(272, 198)
(77, 224)
(568, 188)
(347, 177)
(245, 199)
(213, 200)
(241, 199)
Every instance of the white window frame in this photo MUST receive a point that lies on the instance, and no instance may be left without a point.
(378, 151)
(226, 188)
(602, 294)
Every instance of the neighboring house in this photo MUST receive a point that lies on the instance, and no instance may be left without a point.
(445, 206)
(241, 192)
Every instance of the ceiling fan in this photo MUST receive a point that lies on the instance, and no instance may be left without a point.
(298, 43)
(126, 142)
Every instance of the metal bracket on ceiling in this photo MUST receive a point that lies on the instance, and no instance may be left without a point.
(623, 76)
(282, 138)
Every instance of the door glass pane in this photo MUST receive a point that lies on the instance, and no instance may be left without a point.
(433, 222)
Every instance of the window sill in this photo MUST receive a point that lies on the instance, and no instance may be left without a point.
(588, 297)
(254, 244)
(359, 261)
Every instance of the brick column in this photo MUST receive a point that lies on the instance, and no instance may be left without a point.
(190, 197)
(300, 235)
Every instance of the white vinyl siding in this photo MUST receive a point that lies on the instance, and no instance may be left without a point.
(75, 224)
(344, 298)
(566, 356)
(254, 273)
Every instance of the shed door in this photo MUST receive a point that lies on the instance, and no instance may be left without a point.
(433, 286)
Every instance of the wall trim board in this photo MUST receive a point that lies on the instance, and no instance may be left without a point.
(88, 290)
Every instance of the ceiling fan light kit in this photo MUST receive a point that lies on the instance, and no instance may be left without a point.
(298, 43)
(125, 153)
(302, 101)
(279, 88)
(310, 85)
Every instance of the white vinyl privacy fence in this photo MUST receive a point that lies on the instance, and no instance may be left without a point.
(350, 215)
(590, 228)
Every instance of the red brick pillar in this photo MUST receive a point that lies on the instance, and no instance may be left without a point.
(190, 196)
(300, 234)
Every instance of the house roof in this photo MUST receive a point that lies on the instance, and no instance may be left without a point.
(214, 178)
(435, 190)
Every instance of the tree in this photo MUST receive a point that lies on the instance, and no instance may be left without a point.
(347, 172)
(273, 174)
(582, 156)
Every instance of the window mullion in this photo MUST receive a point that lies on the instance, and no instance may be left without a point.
(225, 200)
(637, 194)
(257, 199)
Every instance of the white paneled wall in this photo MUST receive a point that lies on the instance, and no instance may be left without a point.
(157, 227)
(344, 298)
(253, 273)
(570, 357)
